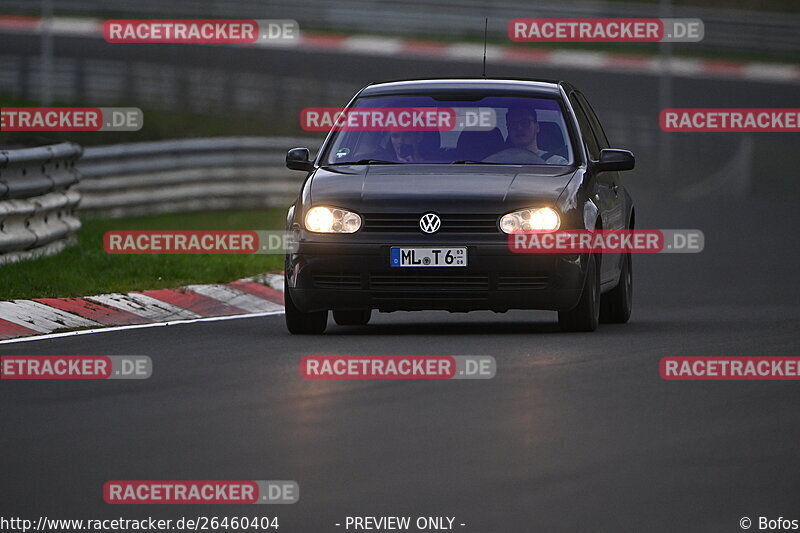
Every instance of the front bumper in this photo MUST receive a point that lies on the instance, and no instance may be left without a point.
(357, 275)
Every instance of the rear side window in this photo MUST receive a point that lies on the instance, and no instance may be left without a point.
(586, 129)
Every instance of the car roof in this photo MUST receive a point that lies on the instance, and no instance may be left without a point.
(492, 85)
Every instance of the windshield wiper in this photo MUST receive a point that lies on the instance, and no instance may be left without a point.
(474, 162)
(364, 162)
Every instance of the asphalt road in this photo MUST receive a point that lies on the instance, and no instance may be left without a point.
(576, 432)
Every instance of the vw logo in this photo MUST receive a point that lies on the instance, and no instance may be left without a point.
(430, 223)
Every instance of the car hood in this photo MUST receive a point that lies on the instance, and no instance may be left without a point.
(417, 188)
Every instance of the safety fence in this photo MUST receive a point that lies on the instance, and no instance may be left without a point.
(40, 190)
(189, 175)
(38, 200)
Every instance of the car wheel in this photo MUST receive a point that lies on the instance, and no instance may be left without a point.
(616, 305)
(352, 318)
(300, 323)
(586, 315)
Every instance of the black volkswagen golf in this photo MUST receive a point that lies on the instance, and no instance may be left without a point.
(411, 218)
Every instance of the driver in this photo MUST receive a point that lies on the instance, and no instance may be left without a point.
(523, 130)
(405, 146)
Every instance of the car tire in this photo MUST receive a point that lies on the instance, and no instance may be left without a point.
(616, 305)
(300, 323)
(586, 315)
(352, 318)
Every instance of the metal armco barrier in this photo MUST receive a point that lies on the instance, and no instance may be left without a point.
(189, 175)
(38, 201)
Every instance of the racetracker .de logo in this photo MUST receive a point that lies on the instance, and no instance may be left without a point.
(606, 30)
(245, 31)
(398, 367)
(718, 120)
(71, 119)
(397, 119)
(201, 492)
(607, 241)
(75, 367)
(730, 368)
(156, 242)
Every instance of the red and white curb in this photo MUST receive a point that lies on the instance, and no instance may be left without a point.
(514, 55)
(256, 296)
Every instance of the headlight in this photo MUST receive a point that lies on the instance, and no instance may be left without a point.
(534, 219)
(321, 219)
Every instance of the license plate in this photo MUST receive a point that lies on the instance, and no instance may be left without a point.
(428, 257)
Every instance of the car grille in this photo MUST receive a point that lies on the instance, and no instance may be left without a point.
(428, 284)
(403, 222)
(434, 282)
(518, 281)
(337, 281)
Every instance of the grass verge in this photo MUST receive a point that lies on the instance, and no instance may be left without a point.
(86, 269)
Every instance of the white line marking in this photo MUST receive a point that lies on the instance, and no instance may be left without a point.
(372, 45)
(571, 58)
(77, 26)
(683, 67)
(464, 52)
(277, 43)
(766, 71)
(137, 326)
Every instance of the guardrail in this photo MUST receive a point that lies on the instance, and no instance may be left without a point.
(38, 201)
(189, 175)
(39, 196)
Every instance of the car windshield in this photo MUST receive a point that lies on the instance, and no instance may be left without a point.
(502, 130)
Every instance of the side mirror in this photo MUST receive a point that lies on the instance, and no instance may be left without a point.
(299, 159)
(615, 160)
